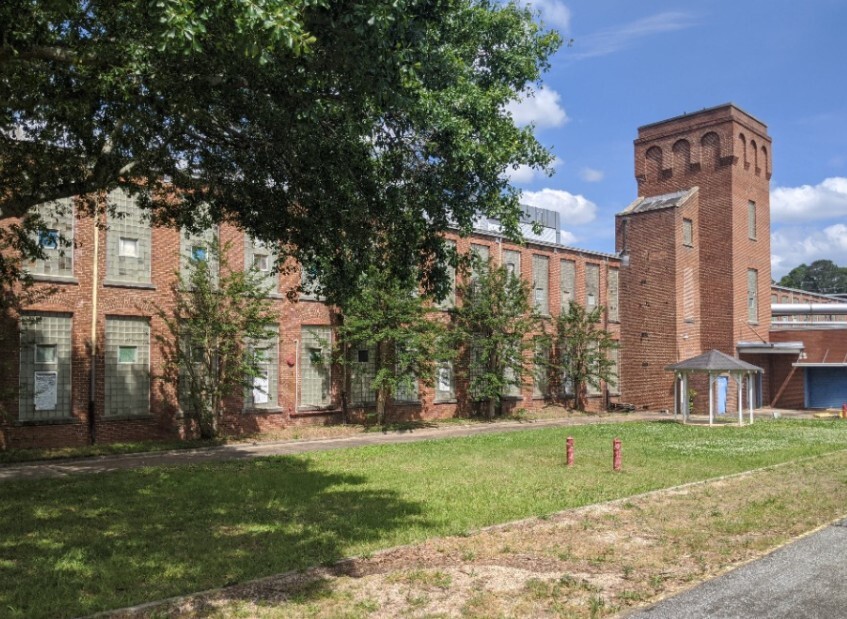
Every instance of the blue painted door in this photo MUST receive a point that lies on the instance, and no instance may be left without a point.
(826, 387)
(723, 383)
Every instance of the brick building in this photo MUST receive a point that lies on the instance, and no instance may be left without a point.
(691, 274)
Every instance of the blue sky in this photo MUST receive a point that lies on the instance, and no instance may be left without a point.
(633, 62)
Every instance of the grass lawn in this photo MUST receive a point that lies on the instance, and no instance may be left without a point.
(77, 545)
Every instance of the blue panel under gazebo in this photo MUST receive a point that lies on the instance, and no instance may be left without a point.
(714, 363)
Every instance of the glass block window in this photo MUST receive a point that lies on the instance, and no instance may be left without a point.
(752, 295)
(751, 220)
(55, 239)
(476, 369)
(128, 241)
(259, 256)
(614, 382)
(127, 366)
(592, 286)
(613, 281)
(483, 255)
(541, 284)
(593, 388)
(688, 233)
(264, 390)
(449, 301)
(406, 390)
(315, 366)
(196, 246)
(540, 383)
(362, 374)
(445, 386)
(513, 383)
(512, 262)
(45, 367)
(568, 282)
(309, 283)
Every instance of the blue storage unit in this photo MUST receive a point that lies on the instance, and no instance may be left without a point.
(826, 387)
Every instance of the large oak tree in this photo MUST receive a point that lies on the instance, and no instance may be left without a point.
(350, 132)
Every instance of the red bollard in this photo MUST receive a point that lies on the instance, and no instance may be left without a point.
(616, 454)
(569, 443)
(844, 411)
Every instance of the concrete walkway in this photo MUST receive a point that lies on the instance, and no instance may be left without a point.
(803, 579)
(104, 464)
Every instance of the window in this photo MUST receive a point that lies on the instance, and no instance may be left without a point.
(362, 374)
(45, 353)
(127, 354)
(445, 390)
(196, 246)
(592, 286)
(481, 255)
(309, 283)
(261, 263)
(407, 388)
(48, 239)
(753, 295)
(198, 253)
(56, 238)
(260, 256)
(511, 378)
(614, 381)
(449, 300)
(541, 283)
(592, 385)
(751, 220)
(127, 366)
(568, 283)
(688, 233)
(315, 367)
(540, 382)
(128, 241)
(44, 387)
(512, 262)
(264, 387)
(128, 247)
(612, 281)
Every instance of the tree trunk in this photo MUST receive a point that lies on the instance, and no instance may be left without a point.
(492, 407)
(381, 398)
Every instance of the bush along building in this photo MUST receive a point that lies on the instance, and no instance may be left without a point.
(691, 274)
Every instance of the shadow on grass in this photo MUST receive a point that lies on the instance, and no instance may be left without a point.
(98, 542)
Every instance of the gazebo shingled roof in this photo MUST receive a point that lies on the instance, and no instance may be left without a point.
(713, 361)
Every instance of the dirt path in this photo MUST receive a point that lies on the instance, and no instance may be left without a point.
(589, 562)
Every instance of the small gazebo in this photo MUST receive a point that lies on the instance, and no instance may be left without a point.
(714, 363)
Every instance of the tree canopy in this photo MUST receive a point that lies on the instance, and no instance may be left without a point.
(350, 133)
(823, 276)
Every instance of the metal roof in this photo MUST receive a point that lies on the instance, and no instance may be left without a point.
(713, 361)
(656, 203)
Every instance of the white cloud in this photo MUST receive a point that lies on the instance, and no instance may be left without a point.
(553, 12)
(524, 175)
(621, 37)
(825, 200)
(567, 238)
(792, 246)
(573, 209)
(590, 175)
(540, 107)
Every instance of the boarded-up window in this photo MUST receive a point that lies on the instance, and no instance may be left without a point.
(315, 367)
(45, 367)
(751, 220)
(568, 283)
(56, 239)
(540, 382)
(512, 262)
(128, 241)
(687, 232)
(541, 284)
(127, 366)
(612, 282)
(481, 255)
(592, 286)
(614, 379)
(592, 385)
(752, 295)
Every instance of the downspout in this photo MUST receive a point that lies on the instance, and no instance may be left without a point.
(92, 343)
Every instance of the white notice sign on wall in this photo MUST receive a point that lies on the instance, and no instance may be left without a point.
(261, 389)
(46, 388)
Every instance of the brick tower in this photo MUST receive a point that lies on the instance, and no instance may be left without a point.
(696, 246)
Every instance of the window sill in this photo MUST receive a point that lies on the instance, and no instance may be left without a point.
(144, 417)
(270, 410)
(406, 403)
(56, 279)
(449, 401)
(65, 421)
(305, 411)
(111, 283)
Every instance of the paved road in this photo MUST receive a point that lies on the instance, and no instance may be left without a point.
(806, 579)
(103, 464)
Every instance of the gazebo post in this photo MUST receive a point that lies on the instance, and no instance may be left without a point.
(685, 403)
(711, 400)
(675, 394)
(739, 380)
(750, 395)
